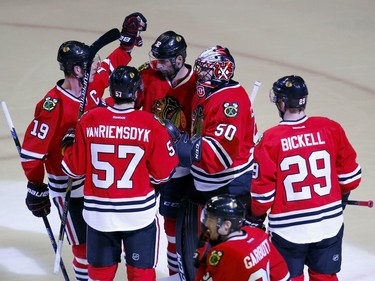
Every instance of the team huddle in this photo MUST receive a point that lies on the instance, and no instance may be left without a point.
(181, 140)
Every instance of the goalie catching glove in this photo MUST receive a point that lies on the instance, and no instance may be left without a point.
(132, 27)
(37, 199)
(188, 150)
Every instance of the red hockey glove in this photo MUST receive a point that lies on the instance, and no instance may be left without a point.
(201, 252)
(68, 139)
(132, 27)
(37, 199)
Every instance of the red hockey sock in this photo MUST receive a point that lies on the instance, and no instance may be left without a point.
(105, 273)
(315, 276)
(140, 274)
(170, 231)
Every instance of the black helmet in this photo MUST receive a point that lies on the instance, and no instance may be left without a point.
(169, 45)
(125, 84)
(72, 53)
(226, 208)
(292, 90)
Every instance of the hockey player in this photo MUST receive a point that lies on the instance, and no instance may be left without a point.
(237, 253)
(219, 153)
(54, 115)
(169, 89)
(304, 166)
(122, 152)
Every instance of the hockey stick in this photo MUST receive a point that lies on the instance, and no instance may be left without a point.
(368, 203)
(45, 219)
(254, 93)
(102, 41)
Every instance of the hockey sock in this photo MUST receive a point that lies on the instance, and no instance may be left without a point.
(140, 274)
(80, 264)
(170, 230)
(315, 276)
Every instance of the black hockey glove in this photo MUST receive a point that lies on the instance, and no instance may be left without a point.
(37, 199)
(188, 150)
(254, 221)
(344, 197)
(132, 27)
(68, 139)
(201, 252)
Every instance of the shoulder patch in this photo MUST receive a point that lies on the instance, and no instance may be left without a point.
(144, 66)
(49, 103)
(230, 109)
(215, 258)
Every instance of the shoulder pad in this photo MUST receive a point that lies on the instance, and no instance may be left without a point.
(144, 66)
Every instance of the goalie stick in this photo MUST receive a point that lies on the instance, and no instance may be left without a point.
(254, 92)
(105, 39)
(45, 219)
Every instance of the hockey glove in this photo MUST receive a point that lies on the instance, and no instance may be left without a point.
(201, 252)
(132, 27)
(68, 139)
(188, 150)
(37, 199)
(174, 133)
(254, 221)
(344, 197)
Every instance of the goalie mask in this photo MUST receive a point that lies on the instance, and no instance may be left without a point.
(164, 52)
(72, 53)
(125, 84)
(291, 90)
(224, 208)
(213, 68)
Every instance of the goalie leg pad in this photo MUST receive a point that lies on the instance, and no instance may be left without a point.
(188, 229)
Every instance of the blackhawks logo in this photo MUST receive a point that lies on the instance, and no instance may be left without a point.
(169, 108)
(215, 258)
(197, 118)
(49, 103)
(230, 110)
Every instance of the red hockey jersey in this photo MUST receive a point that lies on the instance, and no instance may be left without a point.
(250, 256)
(122, 153)
(54, 115)
(167, 101)
(301, 170)
(225, 120)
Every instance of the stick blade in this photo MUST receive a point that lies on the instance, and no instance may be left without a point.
(105, 39)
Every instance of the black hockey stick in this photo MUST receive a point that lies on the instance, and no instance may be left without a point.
(45, 219)
(368, 203)
(105, 39)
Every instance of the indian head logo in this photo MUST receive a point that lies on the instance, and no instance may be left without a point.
(169, 108)
(197, 118)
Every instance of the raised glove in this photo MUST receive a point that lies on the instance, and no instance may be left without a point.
(132, 27)
(68, 139)
(37, 199)
(201, 252)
